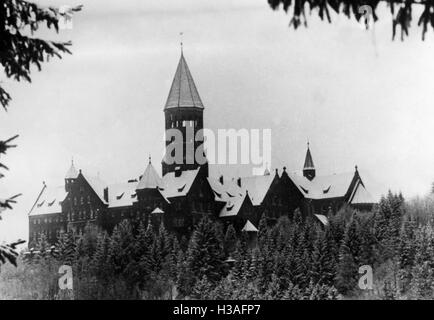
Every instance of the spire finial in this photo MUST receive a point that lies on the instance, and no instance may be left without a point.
(149, 158)
(308, 143)
(180, 35)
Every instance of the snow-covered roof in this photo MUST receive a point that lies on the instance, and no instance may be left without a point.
(178, 186)
(249, 227)
(323, 187)
(183, 92)
(227, 190)
(157, 210)
(322, 218)
(72, 172)
(150, 178)
(362, 196)
(257, 186)
(122, 194)
(232, 206)
(98, 185)
(49, 201)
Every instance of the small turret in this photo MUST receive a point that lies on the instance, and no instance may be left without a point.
(70, 176)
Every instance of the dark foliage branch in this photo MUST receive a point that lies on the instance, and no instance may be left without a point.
(9, 253)
(401, 11)
(18, 51)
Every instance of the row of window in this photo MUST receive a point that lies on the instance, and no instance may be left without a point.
(184, 123)
(81, 199)
(48, 220)
(81, 215)
(49, 234)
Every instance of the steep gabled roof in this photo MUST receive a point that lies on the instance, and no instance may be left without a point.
(150, 179)
(362, 196)
(97, 185)
(183, 92)
(257, 186)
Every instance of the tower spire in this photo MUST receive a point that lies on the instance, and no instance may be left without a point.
(309, 167)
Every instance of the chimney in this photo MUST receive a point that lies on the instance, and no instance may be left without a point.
(106, 194)
(239, 182)
(221, 179)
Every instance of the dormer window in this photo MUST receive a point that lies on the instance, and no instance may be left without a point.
(305, 190)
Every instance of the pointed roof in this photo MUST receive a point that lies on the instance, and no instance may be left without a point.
(157, 210)
(72, 172)
(249, 227)
(150, 178)
(183, 92)
(308, 162)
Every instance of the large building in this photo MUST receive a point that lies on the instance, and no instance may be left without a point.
(186, 192)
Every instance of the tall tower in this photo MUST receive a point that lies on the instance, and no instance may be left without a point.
(308, 168)
(183, 115)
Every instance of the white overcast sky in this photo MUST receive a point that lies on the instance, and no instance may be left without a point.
(359, 97)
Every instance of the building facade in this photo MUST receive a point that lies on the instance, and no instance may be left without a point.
(185, 192)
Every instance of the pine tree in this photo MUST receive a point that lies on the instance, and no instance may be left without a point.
(67, 248)
(205, 254)
(323, 268)
(347, 269)
(99, 260)
(202, 289)
(87, 243)
(263, 230)
(162, 248)
(42, 244)
(121, 247)
(230, 240)
(368, 253)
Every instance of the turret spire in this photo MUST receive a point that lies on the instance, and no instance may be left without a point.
(150, 178)
(309, 167)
